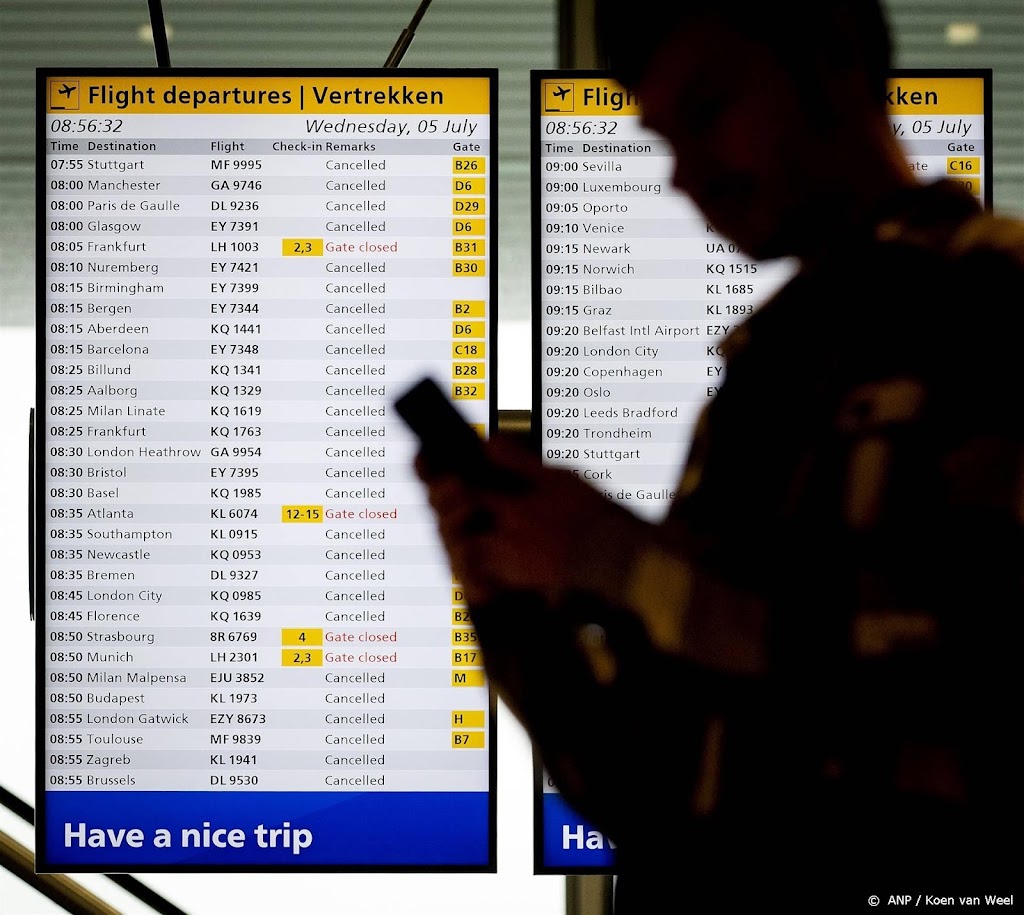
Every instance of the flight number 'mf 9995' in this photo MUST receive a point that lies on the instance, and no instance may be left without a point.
(249, 165)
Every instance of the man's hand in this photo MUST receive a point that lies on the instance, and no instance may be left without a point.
(528, 533)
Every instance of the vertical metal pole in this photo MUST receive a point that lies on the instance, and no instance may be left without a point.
(405, 39)
(585, 894)
(577, 46)
(588, 894)
(156, 21)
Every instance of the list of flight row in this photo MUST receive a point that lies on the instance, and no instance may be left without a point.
(637, 292)
(237, 546)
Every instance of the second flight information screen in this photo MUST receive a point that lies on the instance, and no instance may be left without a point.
(251, 650)
(634, 290)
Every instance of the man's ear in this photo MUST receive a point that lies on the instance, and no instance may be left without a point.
(835, 86)
(850, 58)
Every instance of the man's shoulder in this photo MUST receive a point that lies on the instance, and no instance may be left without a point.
(945, 267)
(937, 270)
(942, 220)
(991, 237)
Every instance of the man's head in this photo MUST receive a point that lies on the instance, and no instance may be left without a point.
(794, 31)
(764, 105)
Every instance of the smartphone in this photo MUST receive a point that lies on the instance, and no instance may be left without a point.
(448, 442)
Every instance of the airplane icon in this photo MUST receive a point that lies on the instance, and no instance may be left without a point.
(558, 97)
(66, 98)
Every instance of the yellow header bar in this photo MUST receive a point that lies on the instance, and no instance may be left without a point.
(907, 95)
(398, 94)
(936, 95)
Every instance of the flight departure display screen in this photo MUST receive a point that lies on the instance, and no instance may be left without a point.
(251, 651)
(633, 292)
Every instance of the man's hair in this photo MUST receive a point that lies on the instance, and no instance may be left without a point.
(845, 33)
